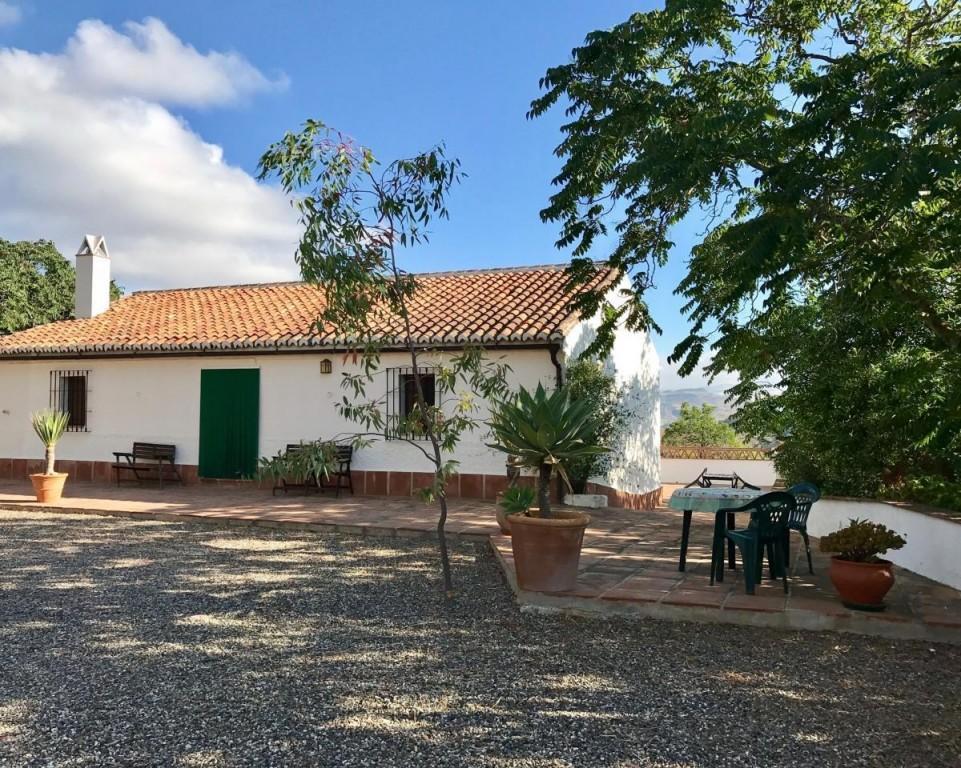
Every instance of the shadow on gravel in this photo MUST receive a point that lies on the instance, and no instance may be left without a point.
(145, 643)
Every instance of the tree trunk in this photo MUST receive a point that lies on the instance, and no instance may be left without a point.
(442, 540)
(51, 458)
(544, 489)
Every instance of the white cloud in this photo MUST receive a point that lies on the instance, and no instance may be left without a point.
(150, 62)
(10, 14)
(87, 145)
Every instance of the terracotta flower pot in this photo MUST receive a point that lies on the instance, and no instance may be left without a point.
(547, 551)
(48, 488)
(862, 586)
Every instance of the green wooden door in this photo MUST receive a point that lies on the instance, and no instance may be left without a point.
(229, 422)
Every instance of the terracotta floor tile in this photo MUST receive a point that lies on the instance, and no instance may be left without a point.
(633, 595)
(763, 603)
(695, 597)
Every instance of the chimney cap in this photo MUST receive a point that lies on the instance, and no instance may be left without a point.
(94, 245)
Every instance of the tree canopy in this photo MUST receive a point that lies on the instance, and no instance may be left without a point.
(36, 285)
(818, 142)
(699, 426)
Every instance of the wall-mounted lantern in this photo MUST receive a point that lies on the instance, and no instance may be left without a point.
(326, 366)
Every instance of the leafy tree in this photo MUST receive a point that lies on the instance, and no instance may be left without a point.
(36, 285)
(820, 142)
(357, 216)
(699, 426)
(588, 382)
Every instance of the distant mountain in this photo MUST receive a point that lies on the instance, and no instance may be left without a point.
(671, 400)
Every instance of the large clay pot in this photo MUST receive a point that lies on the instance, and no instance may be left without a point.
(862, 586)
(547, 551)
(48, 488)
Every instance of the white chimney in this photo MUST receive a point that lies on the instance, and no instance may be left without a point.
(92, 291)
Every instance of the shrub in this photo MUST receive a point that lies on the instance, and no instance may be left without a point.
(518, 499)
(588, 382)
(49, 426)
(928, 489)
(862, 541)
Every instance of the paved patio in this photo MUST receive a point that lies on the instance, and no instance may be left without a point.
(628, 565)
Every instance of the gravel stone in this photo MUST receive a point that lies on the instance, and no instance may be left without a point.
(142, 643)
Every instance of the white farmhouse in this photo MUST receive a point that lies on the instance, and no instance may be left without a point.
(231, 373)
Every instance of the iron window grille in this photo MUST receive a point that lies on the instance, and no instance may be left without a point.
(68, 394)
(401, 410)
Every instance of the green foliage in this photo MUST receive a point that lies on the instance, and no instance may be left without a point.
(49, 426)
(927, 489)
(313, 460)
(698, 426)
(820, 144)
(518, 499)
(545, 432)
(588, 382)
(861, 541)
(357, 215)
(36, 285)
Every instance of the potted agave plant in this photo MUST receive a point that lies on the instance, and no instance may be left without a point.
(516, 500)
(858, 573)
(49, 426)
(545, 432)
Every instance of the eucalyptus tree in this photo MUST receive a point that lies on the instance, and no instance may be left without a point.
(818, 142)
(358, 215)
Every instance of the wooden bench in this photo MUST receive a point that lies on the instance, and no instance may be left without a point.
(146, 459)
(340, 473)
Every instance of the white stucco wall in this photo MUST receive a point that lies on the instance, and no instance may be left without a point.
(932, 544)
(684, 471)
(157, 399)
(634, 462)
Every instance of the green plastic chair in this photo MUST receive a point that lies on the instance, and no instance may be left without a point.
(805, 494)
(767, 531)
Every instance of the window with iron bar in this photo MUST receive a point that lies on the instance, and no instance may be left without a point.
(402, 401)
(68, 394)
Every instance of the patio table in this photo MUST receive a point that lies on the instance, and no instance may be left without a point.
(708, 500)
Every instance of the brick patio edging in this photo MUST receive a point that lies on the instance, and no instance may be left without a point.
(873, 624)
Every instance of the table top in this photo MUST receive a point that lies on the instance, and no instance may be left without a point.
(711, 499)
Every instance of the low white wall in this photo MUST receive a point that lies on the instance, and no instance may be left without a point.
(683, 471)
(932, 544)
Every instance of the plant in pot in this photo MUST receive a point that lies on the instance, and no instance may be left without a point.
(859, 574)
(516, 500)
(49, 426)
(545, 432)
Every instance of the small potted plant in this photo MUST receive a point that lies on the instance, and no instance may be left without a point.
(860, 576)
(545, 432)
(516, 500)
(49, 426)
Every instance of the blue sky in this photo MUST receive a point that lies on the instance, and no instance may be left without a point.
(397, 76)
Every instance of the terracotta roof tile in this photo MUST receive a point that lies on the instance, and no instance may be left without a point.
(526, 304)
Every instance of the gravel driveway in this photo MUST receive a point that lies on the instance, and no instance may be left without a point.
(163, 644)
